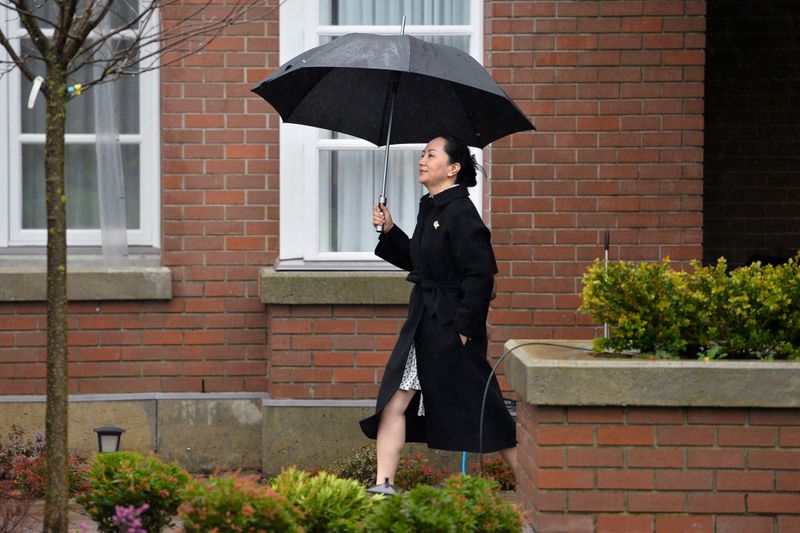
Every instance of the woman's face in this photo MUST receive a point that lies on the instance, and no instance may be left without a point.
(436, 172)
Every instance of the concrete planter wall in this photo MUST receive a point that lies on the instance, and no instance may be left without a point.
(611, 444)
(203, 432)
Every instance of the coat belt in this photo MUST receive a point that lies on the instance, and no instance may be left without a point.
(434, 293)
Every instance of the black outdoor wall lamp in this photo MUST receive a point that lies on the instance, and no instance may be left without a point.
(108, 438)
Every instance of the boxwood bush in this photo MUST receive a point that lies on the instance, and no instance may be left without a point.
(709, 312)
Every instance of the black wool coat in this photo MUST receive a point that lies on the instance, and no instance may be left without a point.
(452, 265)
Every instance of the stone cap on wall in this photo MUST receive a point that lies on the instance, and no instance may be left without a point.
(567, 373)
(326, 287)
(24, 279)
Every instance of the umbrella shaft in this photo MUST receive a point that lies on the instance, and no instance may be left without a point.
(382, 199)
(388, 136)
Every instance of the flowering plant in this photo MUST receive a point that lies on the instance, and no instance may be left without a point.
(128, 519)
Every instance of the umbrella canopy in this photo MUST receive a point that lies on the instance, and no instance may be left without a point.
(347, 85)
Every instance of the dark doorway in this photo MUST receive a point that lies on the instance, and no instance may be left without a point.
(752, 131)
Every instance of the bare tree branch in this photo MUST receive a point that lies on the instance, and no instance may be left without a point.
(184, 37)
(18, 61)
(43, 22)
(143, 50)
(66, 14)
(39, 39)
(83, 26)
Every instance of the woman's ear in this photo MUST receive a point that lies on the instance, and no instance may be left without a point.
(454, 168)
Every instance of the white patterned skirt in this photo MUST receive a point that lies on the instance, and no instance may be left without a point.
(410, 380)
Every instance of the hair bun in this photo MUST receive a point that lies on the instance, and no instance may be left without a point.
(458, 152)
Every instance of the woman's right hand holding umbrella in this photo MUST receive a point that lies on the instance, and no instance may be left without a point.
(381, 215)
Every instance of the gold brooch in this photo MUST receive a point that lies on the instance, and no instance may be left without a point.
(435, 224)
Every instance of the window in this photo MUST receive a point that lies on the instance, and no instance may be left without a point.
(134, 116)
(329, 181)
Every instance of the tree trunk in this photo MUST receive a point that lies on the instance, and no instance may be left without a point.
(56, 453)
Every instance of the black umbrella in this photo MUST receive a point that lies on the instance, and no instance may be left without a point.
(391, 89)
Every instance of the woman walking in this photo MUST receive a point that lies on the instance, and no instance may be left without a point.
(434, 381)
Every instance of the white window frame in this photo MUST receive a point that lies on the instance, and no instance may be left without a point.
(300, 30)
(5, 126)
(12, 139)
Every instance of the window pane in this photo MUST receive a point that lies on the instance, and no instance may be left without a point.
(80, 111)
(350, 183)
(381, 12)
(81, 175)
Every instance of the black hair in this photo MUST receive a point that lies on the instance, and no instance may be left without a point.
(458, 152)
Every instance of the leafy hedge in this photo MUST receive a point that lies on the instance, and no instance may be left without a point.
(745, 313)
(131, 492)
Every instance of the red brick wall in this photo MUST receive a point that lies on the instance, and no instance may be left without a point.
(330, 351)
(220, 225)
(752, 185)
(615, 90)
(660, 469)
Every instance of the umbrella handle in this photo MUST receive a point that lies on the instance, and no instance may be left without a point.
(381, 201)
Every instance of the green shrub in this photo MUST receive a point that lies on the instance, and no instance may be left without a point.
(480, 498)
(649, 307)
(232, 503)
(327, 503)
(749, 312)
(759, 312)
(423, 509)
(415, 470)
(128, 478)
(361, 466)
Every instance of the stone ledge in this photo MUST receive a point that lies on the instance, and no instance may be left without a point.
(544, 374)
(325, 287)
(29, 283)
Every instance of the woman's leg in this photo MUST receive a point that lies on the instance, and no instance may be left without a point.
(509, 455)
(392, 434)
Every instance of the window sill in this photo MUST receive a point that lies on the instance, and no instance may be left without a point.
(23, 278)
(321, 287)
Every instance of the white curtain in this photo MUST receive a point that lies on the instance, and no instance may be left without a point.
(350, 180)
(384, 12)
(80, 158)
(350, 183)
(110, 174)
